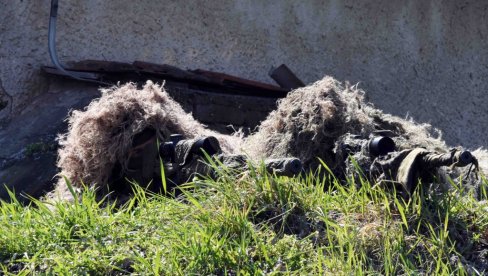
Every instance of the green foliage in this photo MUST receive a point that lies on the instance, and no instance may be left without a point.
(247, 224)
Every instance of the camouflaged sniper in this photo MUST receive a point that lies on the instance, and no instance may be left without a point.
(116, 138)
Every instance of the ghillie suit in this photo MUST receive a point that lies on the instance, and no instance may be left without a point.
(325, 119)
(101, 137)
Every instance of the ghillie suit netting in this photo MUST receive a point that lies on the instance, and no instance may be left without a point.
(318, 120)
(310, 120)
(310, 123)
(101, 136)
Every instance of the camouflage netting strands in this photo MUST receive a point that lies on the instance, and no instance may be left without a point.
(323, 120)
(314, 121)
(102, 134)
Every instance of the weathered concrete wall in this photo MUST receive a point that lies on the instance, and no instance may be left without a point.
(428, 59)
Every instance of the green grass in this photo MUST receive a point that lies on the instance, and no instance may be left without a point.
(250, 224)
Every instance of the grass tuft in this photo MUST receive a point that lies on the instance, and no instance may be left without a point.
(250, 223)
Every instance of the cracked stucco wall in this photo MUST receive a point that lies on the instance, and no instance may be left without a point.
(425, 59)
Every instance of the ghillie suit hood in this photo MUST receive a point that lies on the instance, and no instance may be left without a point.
(315, 121)
(102, 134)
